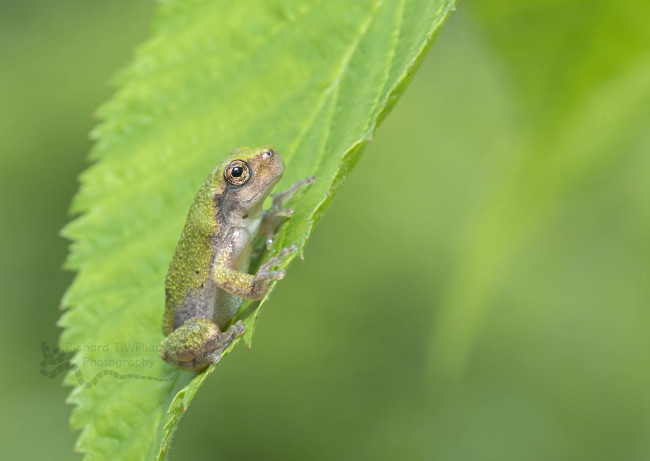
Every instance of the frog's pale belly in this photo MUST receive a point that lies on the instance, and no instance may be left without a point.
(224, 306)
(210, 302)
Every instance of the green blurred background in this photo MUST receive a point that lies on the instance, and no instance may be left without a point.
(479, 289)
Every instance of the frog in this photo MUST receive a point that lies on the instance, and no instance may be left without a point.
(208, 277)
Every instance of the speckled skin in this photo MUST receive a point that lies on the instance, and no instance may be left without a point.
(207, 277)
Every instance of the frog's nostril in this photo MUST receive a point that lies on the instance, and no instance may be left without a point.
(267, 154)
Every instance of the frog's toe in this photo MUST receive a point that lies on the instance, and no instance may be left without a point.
(277, 275)
(268, 265)
(239, 328)
(286, 213)
(215, 357)
(268, 275)
(287, 250)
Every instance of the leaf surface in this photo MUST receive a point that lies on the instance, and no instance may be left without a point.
(311, 78)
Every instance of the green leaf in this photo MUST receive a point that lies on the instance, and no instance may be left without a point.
(313, 79)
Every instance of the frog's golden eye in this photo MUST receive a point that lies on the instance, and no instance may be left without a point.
(237, 173)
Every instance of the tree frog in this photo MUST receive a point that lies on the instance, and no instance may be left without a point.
(207, 277)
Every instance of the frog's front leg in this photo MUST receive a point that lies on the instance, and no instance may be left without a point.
(197, 343)
(275, 216)
(251, 286)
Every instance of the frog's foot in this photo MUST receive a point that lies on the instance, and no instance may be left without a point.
(225, 340)
(198, 343)
(237, 329)
(281, 197)
(276, 215)
(265, 269)
(265, 275)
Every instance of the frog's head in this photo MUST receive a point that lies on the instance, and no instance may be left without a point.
(249, 175)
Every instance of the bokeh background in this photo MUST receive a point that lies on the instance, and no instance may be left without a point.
(478, 290)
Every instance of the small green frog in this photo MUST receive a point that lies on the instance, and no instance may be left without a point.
(207, 277)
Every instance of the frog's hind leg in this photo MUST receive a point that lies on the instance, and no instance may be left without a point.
(197, 343)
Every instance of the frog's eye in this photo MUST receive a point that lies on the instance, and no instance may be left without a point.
(237, 173)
